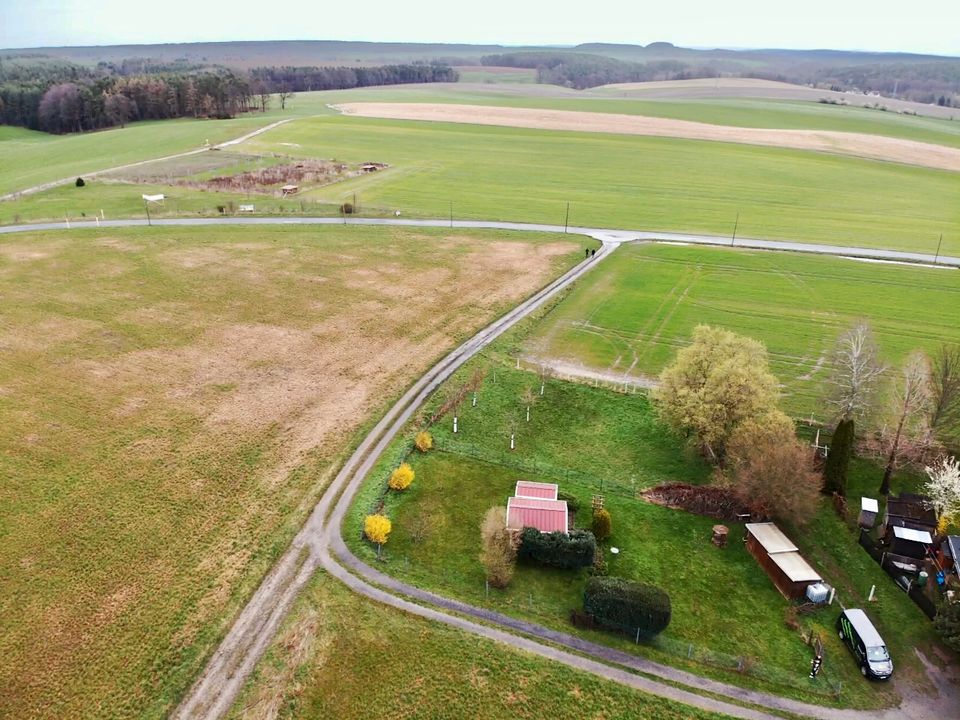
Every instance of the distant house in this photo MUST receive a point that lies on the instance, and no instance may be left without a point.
(289, 190)
(535, 505)
(780, 558)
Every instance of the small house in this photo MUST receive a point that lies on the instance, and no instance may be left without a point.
(289, 190)
(791, 574)
(544, 515)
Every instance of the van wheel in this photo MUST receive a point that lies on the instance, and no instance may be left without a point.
(863, 671)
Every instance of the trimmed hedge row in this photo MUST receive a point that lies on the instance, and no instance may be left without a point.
(557, 549)
(627, 606)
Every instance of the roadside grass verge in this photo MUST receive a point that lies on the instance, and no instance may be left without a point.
(176, 401)
(630, 316)
(331, 657)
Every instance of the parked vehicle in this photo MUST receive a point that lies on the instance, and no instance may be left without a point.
(856, 630)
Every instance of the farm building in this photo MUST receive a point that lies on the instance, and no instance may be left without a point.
(545, 491)
(780, 558)
(535, 505)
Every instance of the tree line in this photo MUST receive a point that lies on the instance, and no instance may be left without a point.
(928, 82)
(62, 97)
(581, 70)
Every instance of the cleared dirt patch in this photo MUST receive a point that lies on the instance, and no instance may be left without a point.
(874, 147)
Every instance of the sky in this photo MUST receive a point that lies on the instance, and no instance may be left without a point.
(925, 26)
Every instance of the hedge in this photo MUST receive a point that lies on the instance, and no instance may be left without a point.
(557, 549)
(627, 606)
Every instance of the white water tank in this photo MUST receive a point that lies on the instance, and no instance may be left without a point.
(818, 592)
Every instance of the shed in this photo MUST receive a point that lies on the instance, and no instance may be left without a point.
(544, 515)
(779, 557)
(910, 543)
(545, 491)
(869, 509)
(909, 511)
(290, 189)
(950, 553)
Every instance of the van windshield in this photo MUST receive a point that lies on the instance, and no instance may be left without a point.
(877, 653)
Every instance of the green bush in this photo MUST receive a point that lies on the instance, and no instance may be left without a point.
(627, 606)
(556, 549)
(602, 524)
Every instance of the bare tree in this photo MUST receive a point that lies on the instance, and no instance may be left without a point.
(856, 369)
(911, 399)
(285, 94)
(945, 393)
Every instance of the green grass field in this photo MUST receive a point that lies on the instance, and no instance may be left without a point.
(175, 403)
(331, 659)
(623, 181)
(630, 316)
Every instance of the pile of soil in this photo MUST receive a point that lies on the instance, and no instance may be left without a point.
(318, 172)
(708, 500)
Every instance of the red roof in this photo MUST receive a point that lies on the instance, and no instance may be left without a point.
(544, 515)
(546, 491)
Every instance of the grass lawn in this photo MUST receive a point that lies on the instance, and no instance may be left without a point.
(724, 606)
(632, 314)
(630, 181)
(330, 660)
(175, 401)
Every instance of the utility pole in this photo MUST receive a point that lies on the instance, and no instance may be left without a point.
(735, 224)
(937, 256)
(566, 220)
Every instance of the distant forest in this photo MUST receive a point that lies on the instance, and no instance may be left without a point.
(59, 96)
(933, 82)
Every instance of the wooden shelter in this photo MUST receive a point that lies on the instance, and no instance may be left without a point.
(779, 557)
(908, 511)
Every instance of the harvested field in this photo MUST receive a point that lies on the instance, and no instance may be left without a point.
(174, 404)
(873, 147)
(711, 88)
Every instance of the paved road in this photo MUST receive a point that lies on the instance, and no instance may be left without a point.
(611, 234)
(319, 544)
